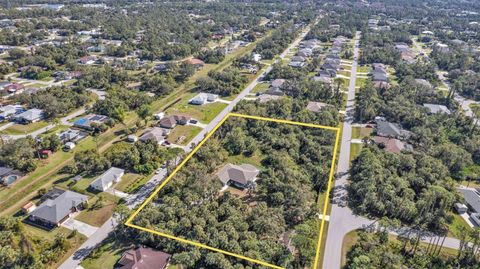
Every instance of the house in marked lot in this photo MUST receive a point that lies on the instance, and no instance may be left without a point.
(316, 106)
(9, 175)
(392, 145)
(170, 122)
(29, 116)
(435, 109)
(238, 175)
(203, 98)
(107, 179)
(144, 258)
(53, 212)
(155, 134)
(87, 121)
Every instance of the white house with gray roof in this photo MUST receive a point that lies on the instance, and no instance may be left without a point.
(107, 179)
(238, 175)
(54, 212)
(434, 109)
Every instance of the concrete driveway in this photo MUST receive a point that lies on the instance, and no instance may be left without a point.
(81, 227)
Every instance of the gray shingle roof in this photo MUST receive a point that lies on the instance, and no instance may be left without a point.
(472, 198)
(111, 175)
(55, 210)
(238, 173)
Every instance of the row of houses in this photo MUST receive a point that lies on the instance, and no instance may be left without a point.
(332, 62)
(19, 114)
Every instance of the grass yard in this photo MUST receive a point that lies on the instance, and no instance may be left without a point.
(128, 180)
(363, 69)
(348, 241)
(99, 212)
(355, 149)
(454, 229)
(255, 159)
(105, 256)
(261, 87)
(188, 131)
(19, 129)
(360, 82)
(361, 132)
(204, 113)
(35, 85)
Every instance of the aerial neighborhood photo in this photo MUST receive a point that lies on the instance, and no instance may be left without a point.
(220, 134)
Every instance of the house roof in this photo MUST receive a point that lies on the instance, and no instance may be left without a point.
(238, 173)
(144, 258)
(316, 106)
(106, 178)
(31, 114)
(391, 144)
(156, 134)
(433, 108)
(203, 97)
(278, 82)
(385, 128)
(57, 209)
(472, 198)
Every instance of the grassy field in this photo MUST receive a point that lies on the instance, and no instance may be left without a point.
(355, 149)
(363, 69)
(454, 229)
(106, 256)
(204, 113)
(188, 131)
(98, 212)
(255, 159)
(260, 87)
(360, 82)
(19, 129)
(128, 180)
(360, 132)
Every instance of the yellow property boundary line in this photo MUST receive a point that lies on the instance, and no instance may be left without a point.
(182, 240)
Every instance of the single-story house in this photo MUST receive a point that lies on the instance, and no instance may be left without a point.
(9, 175)
(53, 212)
(277, 83)
(172, 121)
(71, 135)
(144, 258)
(29, 116)
(107, 179)
(389, 129)
(86, 122)
(434, 109)
(274, 91)
(391, 144)
(472, 198)
(196, 62)
(316, 106)
(238, 175)
(297, 64)
(154, 134)
(87, 60)
(7, 111)
(203, 98)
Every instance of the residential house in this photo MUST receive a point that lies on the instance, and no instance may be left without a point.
(8, 175)
(323, 79)
(87, 121)
(8, 111)
(238, 175)
(298, 61)
(435, 109)
(29, 116)
(263, 98)
(472, 198)
(170, 122)
(306, 52)
(379, 73)
(87, 60)
(155, 134)
(71, 135)
(316, 106)
(461, 208)
(423, 83)
(196, 62)
(107, 179)
(53, 212)
(203, 98)
(144, 258)
(391, 144)
(278, 83)
(388, 129)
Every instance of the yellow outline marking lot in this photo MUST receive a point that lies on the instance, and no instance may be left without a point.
(182, 240)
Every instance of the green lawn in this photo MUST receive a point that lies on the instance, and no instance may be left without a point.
(98, 212)
(35, 85)
(105, 256)
(360, 132)
(128, 180)
(187, 131)
(363, 69)
(204, 113)
(360, 82)
(19, 129)
(260, 87)
(454, 229)
(254, 160)
(355, 149)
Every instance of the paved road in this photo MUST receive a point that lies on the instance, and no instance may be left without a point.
(134, 200)
(342, 220)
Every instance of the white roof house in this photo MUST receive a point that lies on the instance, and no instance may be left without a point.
(107, 179)
(31, 115)
(203, 98)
